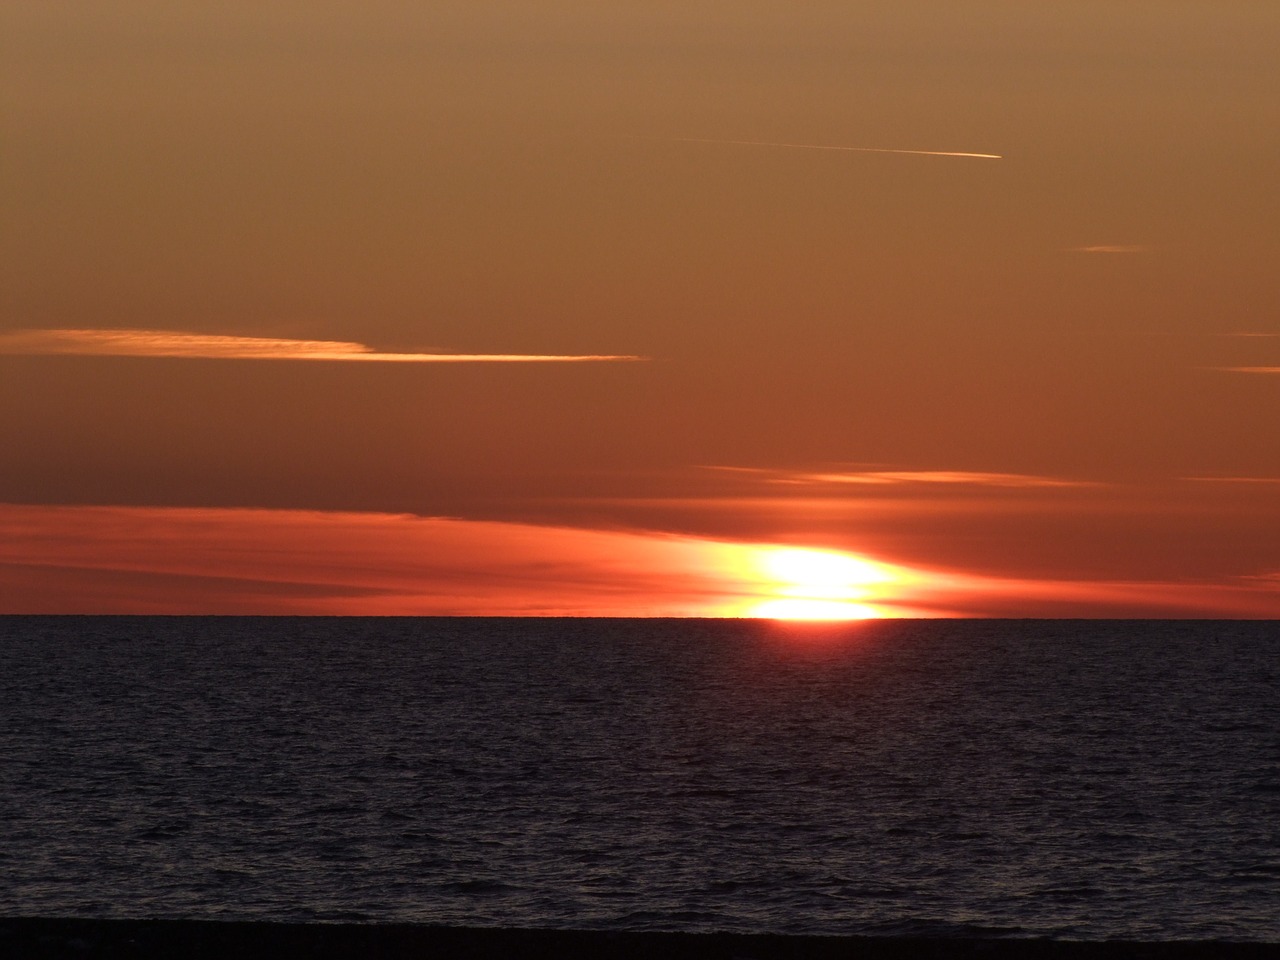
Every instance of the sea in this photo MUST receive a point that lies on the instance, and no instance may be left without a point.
(1075, 779)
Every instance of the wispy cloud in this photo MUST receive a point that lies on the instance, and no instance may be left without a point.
(950, 477)
(1249, 335)
(1109, 248)
(170, 343)
(1266, 579)
(1244, 480)
(905, 477)
(821, 146)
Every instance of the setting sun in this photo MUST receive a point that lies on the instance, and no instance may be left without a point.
(801, 609)
(806, 584)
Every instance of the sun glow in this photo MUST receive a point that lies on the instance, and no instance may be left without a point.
(800, 609)
(805, 584)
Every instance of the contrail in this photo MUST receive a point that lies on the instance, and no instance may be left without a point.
(819, 146)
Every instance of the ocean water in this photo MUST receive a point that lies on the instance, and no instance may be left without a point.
(1075, 779)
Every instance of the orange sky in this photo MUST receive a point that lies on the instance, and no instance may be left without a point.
(1045, 384)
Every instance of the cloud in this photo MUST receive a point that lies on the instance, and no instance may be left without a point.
(1265, 579)
(1109, 248)
(949, 477)
(1254, 368)
(169, 343)
(1251, 596)
(908, 477)
(819, 146)
(192, 560)
(1245, 480)
(98, 559)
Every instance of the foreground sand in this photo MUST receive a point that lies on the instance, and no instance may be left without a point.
(194, 939)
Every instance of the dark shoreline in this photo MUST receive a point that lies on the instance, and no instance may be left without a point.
(22, 937)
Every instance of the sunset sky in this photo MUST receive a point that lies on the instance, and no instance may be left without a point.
(554, 307)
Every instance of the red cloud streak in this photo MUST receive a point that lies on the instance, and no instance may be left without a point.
(145, 560)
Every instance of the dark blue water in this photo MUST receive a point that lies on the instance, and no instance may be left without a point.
(1068, 778)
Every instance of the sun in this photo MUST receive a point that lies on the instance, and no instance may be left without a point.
(798, 583)
(798, 608)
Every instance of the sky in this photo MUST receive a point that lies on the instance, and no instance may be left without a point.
(575, 308)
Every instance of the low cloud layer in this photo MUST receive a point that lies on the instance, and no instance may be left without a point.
(169, 343)
(166, 560)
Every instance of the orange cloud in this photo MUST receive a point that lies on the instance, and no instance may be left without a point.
(1109, 248)
(896, 477)
(81, 559)
(169, 343)
(195, 560)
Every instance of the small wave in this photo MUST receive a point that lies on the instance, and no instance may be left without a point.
(877, 893)
(1259, 870)
(669, 920)
(941, 929)
(478, 888)
(1084, 892)
(1243, 727)
(165, 831)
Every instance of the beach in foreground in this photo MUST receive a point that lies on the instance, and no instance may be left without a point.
(195, 939)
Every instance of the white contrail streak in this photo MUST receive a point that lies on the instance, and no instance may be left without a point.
(819, 146)
(1109, 248)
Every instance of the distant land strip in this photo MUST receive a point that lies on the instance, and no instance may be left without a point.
(25, 937)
